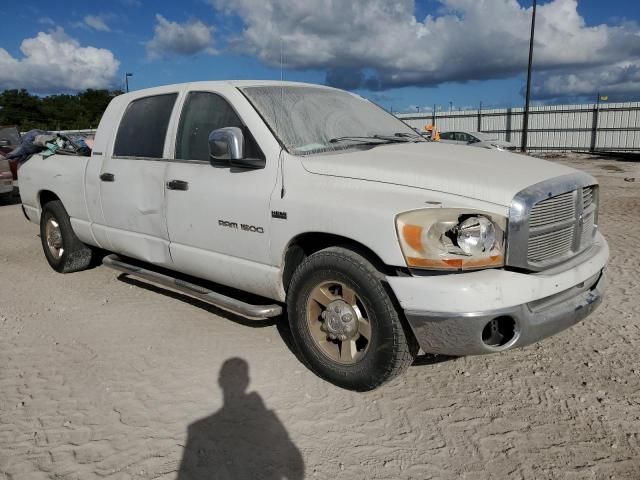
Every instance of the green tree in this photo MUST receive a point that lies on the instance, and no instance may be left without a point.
(54, 112)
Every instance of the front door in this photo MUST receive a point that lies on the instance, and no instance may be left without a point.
(132, 181)
(218, 216)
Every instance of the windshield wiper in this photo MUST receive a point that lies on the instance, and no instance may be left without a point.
(372, 140)
(408, 135)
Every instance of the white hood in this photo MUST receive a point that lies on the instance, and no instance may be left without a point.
(476, 173)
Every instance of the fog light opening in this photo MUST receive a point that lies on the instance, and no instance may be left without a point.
(499, 332)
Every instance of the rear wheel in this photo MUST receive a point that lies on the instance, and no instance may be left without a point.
(63, 250)
(344, 322)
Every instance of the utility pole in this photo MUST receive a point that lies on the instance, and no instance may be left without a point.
(525, 120)
(126, 81)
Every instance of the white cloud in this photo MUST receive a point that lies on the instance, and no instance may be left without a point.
(620, 81)
(97, 22)
(55, 62)
(186, 38)
(46, 21)
(379, 44)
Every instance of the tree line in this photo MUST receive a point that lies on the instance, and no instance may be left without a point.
(54, 112)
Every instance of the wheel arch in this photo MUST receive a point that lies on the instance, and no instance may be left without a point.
(46, 196)
(308, 243)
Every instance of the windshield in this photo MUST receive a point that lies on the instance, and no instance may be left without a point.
(310, 120)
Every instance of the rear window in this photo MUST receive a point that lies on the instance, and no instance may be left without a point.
(143, 128)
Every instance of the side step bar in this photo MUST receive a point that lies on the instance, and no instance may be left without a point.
(238, 307)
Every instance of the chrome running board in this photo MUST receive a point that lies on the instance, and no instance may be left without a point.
(238, 307)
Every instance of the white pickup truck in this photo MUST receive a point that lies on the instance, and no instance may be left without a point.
(378, 242)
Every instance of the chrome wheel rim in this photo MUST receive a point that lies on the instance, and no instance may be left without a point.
(54, 238)
(338, 322)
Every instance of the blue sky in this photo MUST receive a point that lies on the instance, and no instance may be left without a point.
(228, 43)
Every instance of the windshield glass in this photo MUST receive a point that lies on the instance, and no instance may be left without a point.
(310, 120)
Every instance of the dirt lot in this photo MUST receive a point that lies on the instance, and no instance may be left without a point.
(102, 378)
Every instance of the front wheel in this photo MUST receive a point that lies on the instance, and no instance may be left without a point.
(344, 322)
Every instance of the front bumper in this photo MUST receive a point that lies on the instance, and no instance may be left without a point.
(529, 307)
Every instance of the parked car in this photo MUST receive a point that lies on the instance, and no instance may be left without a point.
(477, 139)
(377, 241)
(9, 140)
(6, 178)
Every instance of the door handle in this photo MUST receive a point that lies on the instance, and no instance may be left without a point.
(107, 177)
(177, 185)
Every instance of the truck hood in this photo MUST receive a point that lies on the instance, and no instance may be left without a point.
(476, 173)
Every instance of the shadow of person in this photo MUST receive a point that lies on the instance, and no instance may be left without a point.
(242, 440)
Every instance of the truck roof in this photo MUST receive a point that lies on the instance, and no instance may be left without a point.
(218, 83)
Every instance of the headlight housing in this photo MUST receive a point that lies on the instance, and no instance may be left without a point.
(451, 239)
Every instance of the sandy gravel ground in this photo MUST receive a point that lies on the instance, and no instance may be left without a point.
(101, 378)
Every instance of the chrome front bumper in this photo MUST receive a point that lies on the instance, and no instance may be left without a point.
(462, 333)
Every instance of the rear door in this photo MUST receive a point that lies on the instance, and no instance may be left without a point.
(132, 180)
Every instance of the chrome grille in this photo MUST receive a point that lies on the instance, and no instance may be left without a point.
(550, 245)
(561, 226)
(553, 210)
(552, 221)
(587, 197)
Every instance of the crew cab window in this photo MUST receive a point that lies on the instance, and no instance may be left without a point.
(143, 127)
(203, 113)
(446, 136)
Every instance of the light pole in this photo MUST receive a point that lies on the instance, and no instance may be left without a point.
(525, 120)
(126, 81)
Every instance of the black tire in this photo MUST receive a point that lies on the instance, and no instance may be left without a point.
(391, 348)
(76, 255)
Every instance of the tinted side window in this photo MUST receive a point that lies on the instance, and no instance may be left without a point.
(143, 127)
(203, 113)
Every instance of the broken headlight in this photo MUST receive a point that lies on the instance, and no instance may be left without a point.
(451, 239)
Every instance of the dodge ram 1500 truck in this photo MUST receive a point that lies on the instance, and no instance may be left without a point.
(378, 242)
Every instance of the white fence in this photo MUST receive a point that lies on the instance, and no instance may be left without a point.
(594, 127)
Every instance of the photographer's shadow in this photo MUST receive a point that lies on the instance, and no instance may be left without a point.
(242, 440)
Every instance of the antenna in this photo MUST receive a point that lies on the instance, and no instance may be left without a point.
(281, 156)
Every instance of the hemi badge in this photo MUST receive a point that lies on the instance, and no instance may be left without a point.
(280, 215)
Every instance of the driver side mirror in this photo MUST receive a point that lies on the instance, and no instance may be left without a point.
(227, 145)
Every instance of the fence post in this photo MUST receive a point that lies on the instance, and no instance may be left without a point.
(594, 128)
(433, 116)
(480, 118)
(508, 128)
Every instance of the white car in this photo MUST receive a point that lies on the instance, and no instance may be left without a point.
(378, 242)
(477, 139)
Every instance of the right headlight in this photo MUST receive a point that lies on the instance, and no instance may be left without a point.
(451, 239)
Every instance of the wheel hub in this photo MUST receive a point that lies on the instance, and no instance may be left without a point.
(54, 238)
(340, 321)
